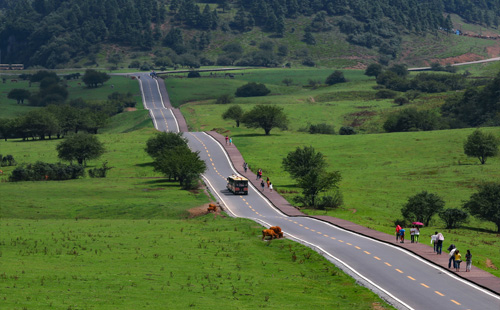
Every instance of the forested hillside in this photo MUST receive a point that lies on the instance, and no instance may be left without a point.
(53, 33)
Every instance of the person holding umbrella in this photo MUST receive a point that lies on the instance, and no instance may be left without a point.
(417, 230)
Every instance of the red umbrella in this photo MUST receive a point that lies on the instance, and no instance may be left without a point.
(418, 223)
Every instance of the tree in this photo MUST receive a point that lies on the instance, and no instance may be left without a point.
(80, 147)
(235, 113)
(336, 77)
(373, 70)
(115, 59)
(252, 89)
(266, 117)
(180, 163)
(481, 145)
(92, 78)
(453, 217)
(485, 204)
(302, 161)
(309, 38)
(19, 94)
(287, 81)
(164, 141)
(421, 207)
(316, 182)
(224, 99)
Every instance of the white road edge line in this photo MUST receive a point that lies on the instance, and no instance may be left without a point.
(439, 268)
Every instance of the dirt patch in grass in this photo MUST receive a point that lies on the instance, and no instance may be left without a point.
(359, 118)
(493, 51)
(202, 210)
(130, 109)
(489, 264)
(457, 59)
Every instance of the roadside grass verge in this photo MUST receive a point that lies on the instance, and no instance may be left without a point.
(207, 262)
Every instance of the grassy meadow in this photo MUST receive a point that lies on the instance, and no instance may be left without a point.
(379, 170)
(127, 241)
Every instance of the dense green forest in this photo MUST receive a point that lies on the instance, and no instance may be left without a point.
(50, 33)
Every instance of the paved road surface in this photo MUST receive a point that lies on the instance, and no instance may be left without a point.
(403, 279)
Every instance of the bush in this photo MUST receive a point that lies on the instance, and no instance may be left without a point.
(330, 202)
(308, 62)
(335, 78)
(100, 172)
(322, 128)
(224, 99)
(412, 120)
(193, 74)
(401, 101)
(252, 89)
(41, 171)
(8, 160)
(347, 130)
(386, 94)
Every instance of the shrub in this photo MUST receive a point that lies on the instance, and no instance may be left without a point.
(412, 120)
(385, 94)
(335, 78)
(193, 74)
(100, 172)
(252, 89)
(41, 171)
(401, 101)
(224, 99)
(347, 130)
(308, 62)
(322, 128)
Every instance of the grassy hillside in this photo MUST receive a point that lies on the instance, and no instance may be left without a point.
(380, 171)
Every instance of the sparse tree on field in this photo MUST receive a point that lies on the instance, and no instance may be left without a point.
(235, 113)
(164, 141)
(19, 94)
(453, 217)
(80, 147)
(287, 81)
(485, 204)
(266, 117)
(421, 207)
(481, 145)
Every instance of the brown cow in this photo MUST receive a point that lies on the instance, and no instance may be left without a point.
(277, 230)
(212, 208)
(269, 232)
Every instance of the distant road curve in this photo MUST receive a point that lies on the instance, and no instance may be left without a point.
(458, 64)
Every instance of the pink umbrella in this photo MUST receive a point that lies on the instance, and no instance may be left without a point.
(418, 223)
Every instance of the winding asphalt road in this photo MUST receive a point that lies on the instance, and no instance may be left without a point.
(404, 280)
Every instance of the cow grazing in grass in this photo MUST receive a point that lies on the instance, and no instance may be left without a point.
(212, 208)
(277, 230)
(269, 233)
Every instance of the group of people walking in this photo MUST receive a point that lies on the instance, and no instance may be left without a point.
(437, 241)
(262, 184)
(229, 140)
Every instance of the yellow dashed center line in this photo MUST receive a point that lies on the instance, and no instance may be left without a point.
(411, 278)
(376, 257)
(306, 227)
(312, 229)
(341, 241)
(426, 286)
(357, 247)
(455, 302)
(367, 252)
(326, 236)
(319, 233)
(299, 224)
(348, 243)
(399, 271)
(333, 238)
(440, 294)
(388, 264)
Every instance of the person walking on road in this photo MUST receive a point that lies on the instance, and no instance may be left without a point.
(412, 234)
(230, 141)
(259, 174)
(402, 235)
(452, 248)
(398, 228)
(458, 259)
(417, 234)
(468, 261)
(434, 241)
(245, 166)
(440, 239)
(227, 139)
(270, 186)
(268, 181)
(263, 185)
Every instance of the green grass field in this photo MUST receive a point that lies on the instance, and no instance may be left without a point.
(380, 171)
(125, 242)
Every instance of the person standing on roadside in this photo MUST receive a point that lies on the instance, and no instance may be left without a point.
(458, 260)
(439, 239)
(452, 248)
(412, 234)
(263, 185)
(468, 261)
(268, 181)
(270, 186)
(230, 141)
(417, 234)
(227, 139)
(245, 166)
